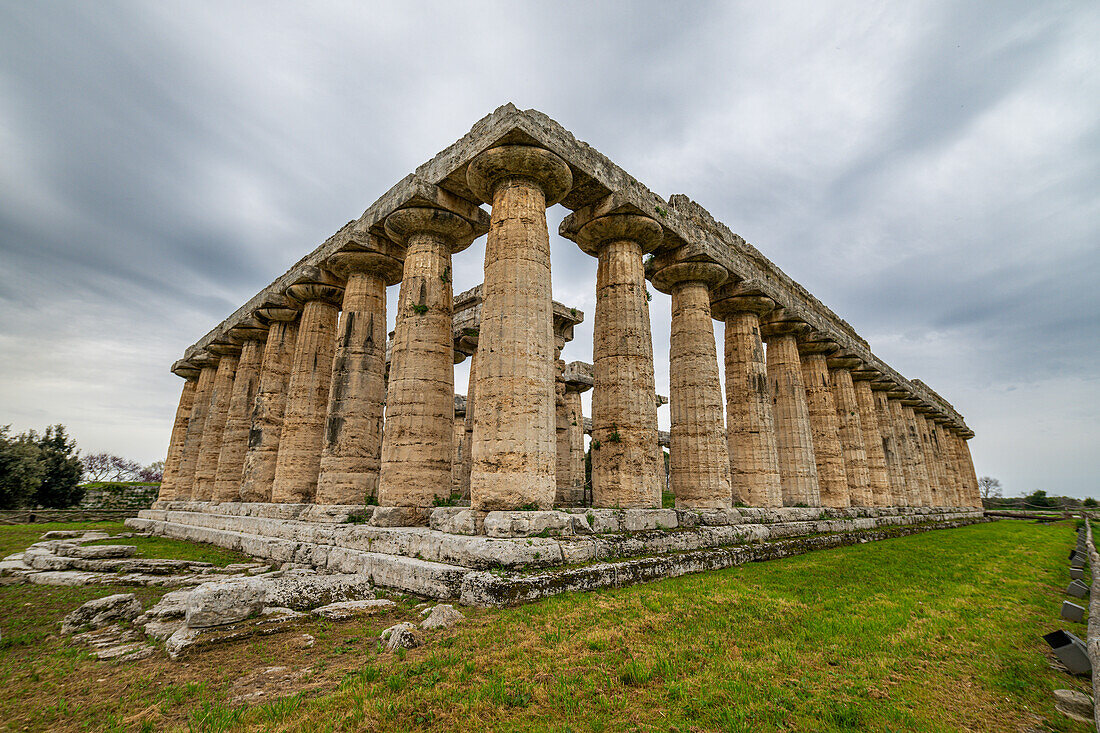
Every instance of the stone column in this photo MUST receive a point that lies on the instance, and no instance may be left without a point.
(890, 445)
(920, 459)
(416, 446)
(793, 434)
(906, 449)
(624, 413)
(196, 421)
(564, 465)
(206, 469)
(750, 426)
(969, 472)
(514, 448)
(943, 458)
(851, 431)
(269, 405)
(299, 461)
(578, 379)
(351, 454)
(468, 430)
(828, 452)
(227, 479)
(942, 477)
(873, 444)
(168, 483)
(934, 483)
(699, 456)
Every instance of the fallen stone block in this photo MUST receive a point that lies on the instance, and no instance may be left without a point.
(161, 630)
(303, 592)
(224, 602)
(442, 616)
(352, 609)
(99, 552)
(101, 612)
(1074, 704)
(62, 534)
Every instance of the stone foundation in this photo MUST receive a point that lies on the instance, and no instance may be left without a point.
(505, 557)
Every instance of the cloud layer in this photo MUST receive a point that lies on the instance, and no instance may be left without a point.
(929, 170)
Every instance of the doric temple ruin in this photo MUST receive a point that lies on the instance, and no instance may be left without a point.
(306, 433)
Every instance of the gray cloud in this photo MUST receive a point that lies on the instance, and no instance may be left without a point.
(928, 170)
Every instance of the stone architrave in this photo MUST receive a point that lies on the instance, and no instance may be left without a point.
(514, 447)
(793, 434)
(351, 455)
(699, 455)
(920, 460)
(179, 432)
(891, 447)
(832, 477)
(624, 412)
(269, 405)
(851, 431)
(206, 469)
(881, 494)
(299, 462)
(192, 441)
(417, 444)
(227, 479)
(750, 426)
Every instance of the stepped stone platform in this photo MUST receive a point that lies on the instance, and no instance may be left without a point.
(503, 558)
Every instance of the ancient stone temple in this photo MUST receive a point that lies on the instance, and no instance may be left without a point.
(306, 433)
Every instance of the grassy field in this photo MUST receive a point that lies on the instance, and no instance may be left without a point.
(932, 632)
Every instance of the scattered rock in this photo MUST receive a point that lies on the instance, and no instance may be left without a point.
(307, 641)
(350, 609)
(222, 602)
(161, 630)
(281, 614)
(399, 636)
(115, 643)
(1074, 704)
(102, 611)
(99, 552)
(186, 638)
(62, 534)
(267, 684)
(443, 616)
(93, 535)
(172, 604)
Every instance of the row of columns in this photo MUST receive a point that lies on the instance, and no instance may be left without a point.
(289, 407)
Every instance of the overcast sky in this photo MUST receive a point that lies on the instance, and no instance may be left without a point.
(930, 170)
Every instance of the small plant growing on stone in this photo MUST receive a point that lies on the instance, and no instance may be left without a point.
(614, 437)
(356, 519)
(446, 276)
(471, 331)
(573, 312)
(649, 259)
(529, 507)
(661, 211)
(648, 295)
(420, 309)
(595, 445)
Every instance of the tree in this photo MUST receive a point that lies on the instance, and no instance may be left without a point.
(109, 467)
(153, 473)
(1089, 502)
(60, 486)
(989, 487)
(21, 472)
(1038, 499)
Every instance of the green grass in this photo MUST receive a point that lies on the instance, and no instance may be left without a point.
(18, 537)
(161, 547)
(931, 632)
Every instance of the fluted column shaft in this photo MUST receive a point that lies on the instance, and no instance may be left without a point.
(227, 479)
(750, 426)
(906, 454)
(269, 408)
(416, 447)
(920, 457)
(514, 444)
(624, 412)
(828, 451)
(971, 474)
(468, 431)
(206, 469)
(192, 441)
(793, 434)
(891, 449)
(563, 471)
(168, 484)
(938, 456)
(935, 489)
(881, 494)
(851, 438)
(299, 460)
(945, 456)
(575, 413)
(351, 455)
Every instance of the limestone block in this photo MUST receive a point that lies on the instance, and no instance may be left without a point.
(97, 552)
(345, 610)
(400, 516)
(269, 406)
(304, 592)
(162, 630)
(637, 520)
(527, 523)
(399, 636)
(335, 513)
(458, 520)
(222, 602)
(101, 612)
(514, 447)
(299, 460)
(828, 452)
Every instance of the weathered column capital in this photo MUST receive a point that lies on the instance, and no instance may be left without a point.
(250, 329)
(452, 228)
(350, 262)
(278, 314)
(706, 273)
(578, 376)
(498, 165)
(186, 369)
(816, 344)
(225, 347)
(844, 361)
(310, 291)
(773, 329)
(598, 232)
